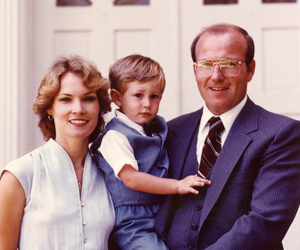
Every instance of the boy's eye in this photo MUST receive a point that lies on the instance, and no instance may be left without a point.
(154, 96)
(138, 95)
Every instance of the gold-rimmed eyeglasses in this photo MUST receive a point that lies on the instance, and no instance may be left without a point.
(229, 67)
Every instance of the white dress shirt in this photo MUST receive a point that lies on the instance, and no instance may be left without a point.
(227, 119)
(55, 216)
(115, 147)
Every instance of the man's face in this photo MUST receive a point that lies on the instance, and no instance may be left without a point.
(221, 93)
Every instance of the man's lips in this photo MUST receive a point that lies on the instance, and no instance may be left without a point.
(218, 89)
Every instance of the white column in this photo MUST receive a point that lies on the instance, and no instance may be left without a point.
(9, 71)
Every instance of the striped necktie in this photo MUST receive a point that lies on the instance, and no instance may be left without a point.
(212, 146)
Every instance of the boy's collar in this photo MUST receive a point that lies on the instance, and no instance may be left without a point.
(122, 117)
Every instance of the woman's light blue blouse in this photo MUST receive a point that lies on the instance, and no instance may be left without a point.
(55, 217)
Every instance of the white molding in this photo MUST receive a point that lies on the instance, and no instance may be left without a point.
(9, 72)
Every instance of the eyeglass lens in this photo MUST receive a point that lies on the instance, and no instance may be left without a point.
(229, 67)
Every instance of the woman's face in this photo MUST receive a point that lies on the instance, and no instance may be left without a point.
(75, 109)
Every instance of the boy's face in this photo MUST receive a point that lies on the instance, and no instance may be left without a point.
(140, 102)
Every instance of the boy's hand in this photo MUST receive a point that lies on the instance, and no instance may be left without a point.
(186, 185)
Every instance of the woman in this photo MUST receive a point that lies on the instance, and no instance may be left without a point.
(55, 196)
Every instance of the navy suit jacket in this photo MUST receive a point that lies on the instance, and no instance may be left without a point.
(255, 185)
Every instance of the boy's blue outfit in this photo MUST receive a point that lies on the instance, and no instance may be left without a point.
(136, 211)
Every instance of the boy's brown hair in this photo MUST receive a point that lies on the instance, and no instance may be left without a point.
(135, 68)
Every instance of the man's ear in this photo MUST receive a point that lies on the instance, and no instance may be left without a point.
(116, 97)
(251, 70)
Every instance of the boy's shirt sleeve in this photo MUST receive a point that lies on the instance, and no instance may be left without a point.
(117, 151)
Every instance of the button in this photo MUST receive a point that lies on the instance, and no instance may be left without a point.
(84, 223)
(85, 241)
(198, 208)
(194, 226)
(82, 204)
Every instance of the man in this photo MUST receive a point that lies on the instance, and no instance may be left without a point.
(255, 181)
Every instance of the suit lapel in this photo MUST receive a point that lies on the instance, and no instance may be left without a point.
(234, 146)
(180, 141)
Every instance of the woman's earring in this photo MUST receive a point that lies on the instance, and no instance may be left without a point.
(50, 117)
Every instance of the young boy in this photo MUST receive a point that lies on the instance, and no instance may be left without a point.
(133, 156)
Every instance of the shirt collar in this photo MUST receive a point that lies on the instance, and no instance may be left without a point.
(123, 118)
(227, 118)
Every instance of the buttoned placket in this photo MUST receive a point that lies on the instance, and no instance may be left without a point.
(84, 222)
(194, 226)
(82, 208)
